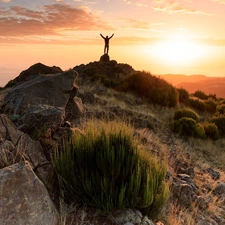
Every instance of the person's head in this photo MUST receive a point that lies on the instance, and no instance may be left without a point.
(106, 36)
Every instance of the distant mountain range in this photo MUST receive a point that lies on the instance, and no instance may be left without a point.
(192, 83)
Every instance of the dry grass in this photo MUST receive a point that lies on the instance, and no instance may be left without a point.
(9, 155)
(209, 152)
(178, 215)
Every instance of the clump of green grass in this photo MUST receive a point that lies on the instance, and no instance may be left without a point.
(219, 121)
(105, 168)
(185, 123)
(211, 131)
(197, 104)
(220, 109)
(210, 106)
(186, 112)
(185, 126)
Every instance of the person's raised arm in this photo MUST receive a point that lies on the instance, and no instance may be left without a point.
(111, 36)
(102, 36)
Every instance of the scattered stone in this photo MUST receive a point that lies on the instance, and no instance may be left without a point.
(219, 189)
(101, 102)
(201, 203)
(189, 171)
(185, 177)
(131, 217)
(214, 174)
(87, 97)
(184, 192)
(139, 101)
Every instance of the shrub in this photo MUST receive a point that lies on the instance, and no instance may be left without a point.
(211, 131)
(186, 112)
(199, 131)
(183, 95)
(210, 106)
(106, 169)
(221, 109)
(201, 95)
(197, 104)
(156, 90)
(219, 121)
(185, 126)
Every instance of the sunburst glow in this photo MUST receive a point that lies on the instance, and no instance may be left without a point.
(179, 51)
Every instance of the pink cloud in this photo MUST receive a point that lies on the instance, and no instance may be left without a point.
(49, 20)
(219, 1)
(172, 7)
(135, 23)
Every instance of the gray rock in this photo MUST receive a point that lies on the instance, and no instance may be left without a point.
(184, 192)
(189, 171)
(214, 174)
(202, 203)
(87, 97)
(219, 189)
(17, 146)
(24, 198)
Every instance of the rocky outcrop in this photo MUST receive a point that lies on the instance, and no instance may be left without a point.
(42, 102)
(97, 70)
(24, 198)
(36, 69)
(16, 146)
(104, 58)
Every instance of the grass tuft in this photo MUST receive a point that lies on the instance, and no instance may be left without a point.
(105, 168)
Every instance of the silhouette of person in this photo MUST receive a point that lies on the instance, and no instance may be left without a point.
(106, 48)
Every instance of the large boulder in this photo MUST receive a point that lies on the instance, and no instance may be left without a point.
(24, 198)
(41, 103)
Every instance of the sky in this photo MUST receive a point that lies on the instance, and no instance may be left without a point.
(158, 36)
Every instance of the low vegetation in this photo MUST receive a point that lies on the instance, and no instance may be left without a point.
(104, 167)
(154, 89)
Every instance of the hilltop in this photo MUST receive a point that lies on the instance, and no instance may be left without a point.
(45, 104)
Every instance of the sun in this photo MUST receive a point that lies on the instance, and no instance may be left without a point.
(178, 51)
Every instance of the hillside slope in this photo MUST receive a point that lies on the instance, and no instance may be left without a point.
(191, 163)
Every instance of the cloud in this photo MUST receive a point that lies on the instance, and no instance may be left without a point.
(136, 24)
(141, 5)
(219, 1)
(5, 0)
(172, 7)
(48, 20)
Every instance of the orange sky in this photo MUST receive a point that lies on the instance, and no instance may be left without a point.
(160, 36)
